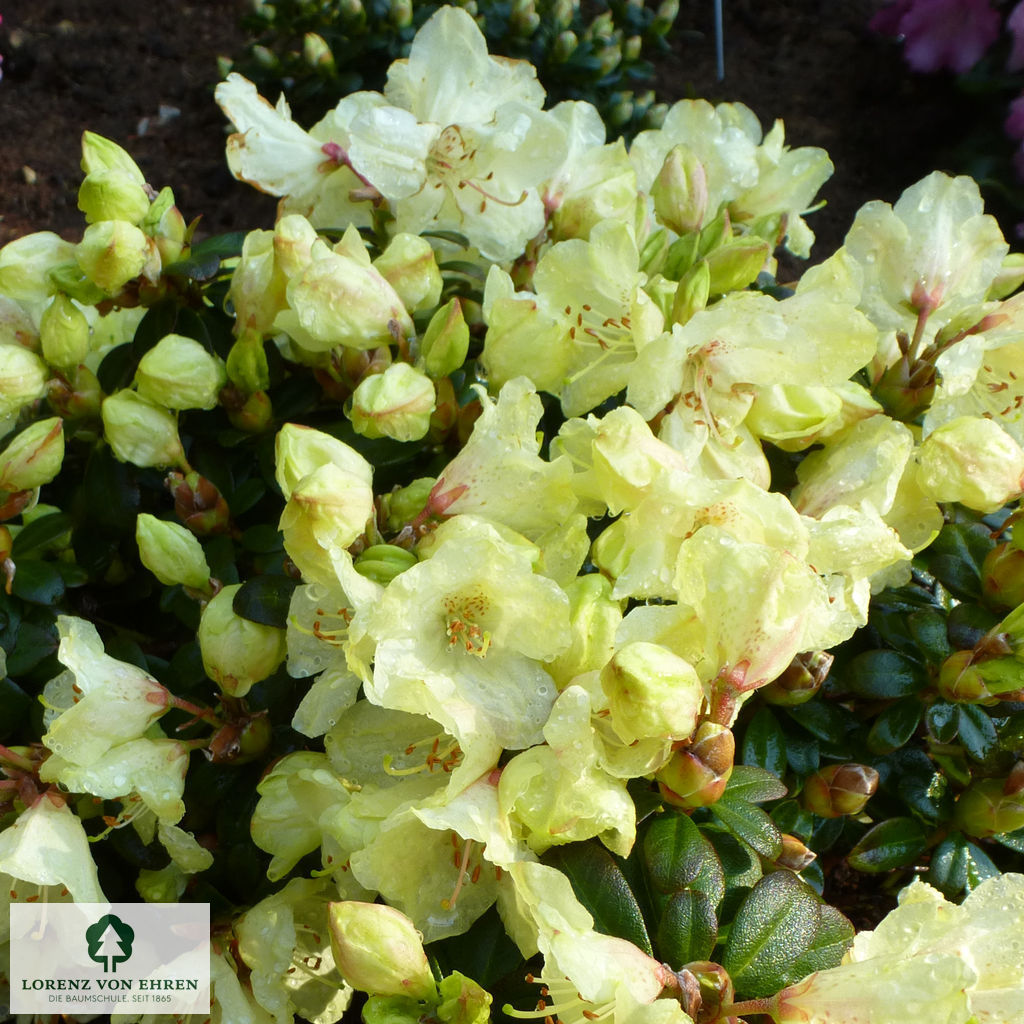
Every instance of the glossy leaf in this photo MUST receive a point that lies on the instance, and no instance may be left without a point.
(890, 844)
(956, 555)
(976, 731)
(678, 856)
(602, 888)
(750, 824)
(782, 933)
(764, 743)
(753, 784)
(895, 725)
(265, 599)
(943, 720)
(687, 928)
(38, 582)
(39, 533)
(884, 675)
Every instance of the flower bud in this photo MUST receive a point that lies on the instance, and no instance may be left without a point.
(378, 950)
(800, 681)
(736, 264)
(985, 808)
(63, 333)
(973, 461)
(794, 855)
(34, 457)
(141, 432)
(680, 191)
(247, 366)
(714, 989)
(112, 194)
(400, 13)
(651, 692)
(25, 265)
(383, 562)
(114, 252)
(198, 503)
(565, 46)
(839, 789)
(165, 224)
(403, 504)
(257, 289)
(396, 403)
(16, 326)
(237, 653)
(692, 293)
(22, 380)
(1002, 576)
(697, 775)
(178, 373)
(316, 53)
(253, 415)
(338, 300)
(299, 450)
(446, 341)
(960, 680)
(100, 154)
(171, 553)
(410, 267)
(76, 397)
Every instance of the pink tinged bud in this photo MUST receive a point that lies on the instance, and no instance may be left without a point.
(706, 988)
(961, 681)
(198, 503)
(446, 341)
(839, 789)
(794, 855)
(34, 457)
(800, 681)
(396, 403)
(378, 950)
(680, 191)
(237, 653)
(696, 775)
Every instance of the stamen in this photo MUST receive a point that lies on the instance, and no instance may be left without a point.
(449, 903)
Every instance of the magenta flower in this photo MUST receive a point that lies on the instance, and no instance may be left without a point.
(938, 34)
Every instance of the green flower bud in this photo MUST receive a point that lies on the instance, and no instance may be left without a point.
(316, 53)
(63, 333)
(565, 46)
(665, 16)
(960, 680)
(141, 432)
(446, 341)
(396, 403)
(383, 562)
(680, 191)
(165, 224)
(410, 267)
(77, 396)
(1002, 576)
(25, 265)
(247, 365)
(692, 293)
(986, 808)
(100, 154)
(171, 553)
(112, 194)
(178, 373)
(800, 681)
(378, 950)
(696, 775)
(400, 14)
(631, 49)
(34, 457)
(257, 289)
(237, 653)
(839, 789)
(651, 692)
(736, 264)
(706, 988)
(463, 1001)
(22, 380)
(299, 451)
(973, 461)
(254, 415)
(114, 252)
(403, 504)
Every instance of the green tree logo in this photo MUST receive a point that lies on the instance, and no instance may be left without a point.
(110, 942)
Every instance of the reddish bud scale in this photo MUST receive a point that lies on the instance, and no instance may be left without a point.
(839, 789)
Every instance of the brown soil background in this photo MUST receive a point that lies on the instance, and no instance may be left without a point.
(110, 65)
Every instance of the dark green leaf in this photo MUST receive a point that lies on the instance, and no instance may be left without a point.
(196, 267)
(764, 743)
(791, 817)
(222, 246)
(918, 783)
(977, 733)
(38, 582)
(928, 629)
(117, 368)
(39, 533)
(966, 625)
(782, 932)
(750, 824)
(948, 868)
(485, 952)
(956, 555)
(678, 856)
(740, 864)
(891, 844)
(895, 725)
(265, 599)
(1012, 840)
(943, 721)
(828, 722)
(34, 644)
(263, 538)
(979, 867)
(753, 784)
(15, 705)
(602, 888)
(687, 929)
(884, 675)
